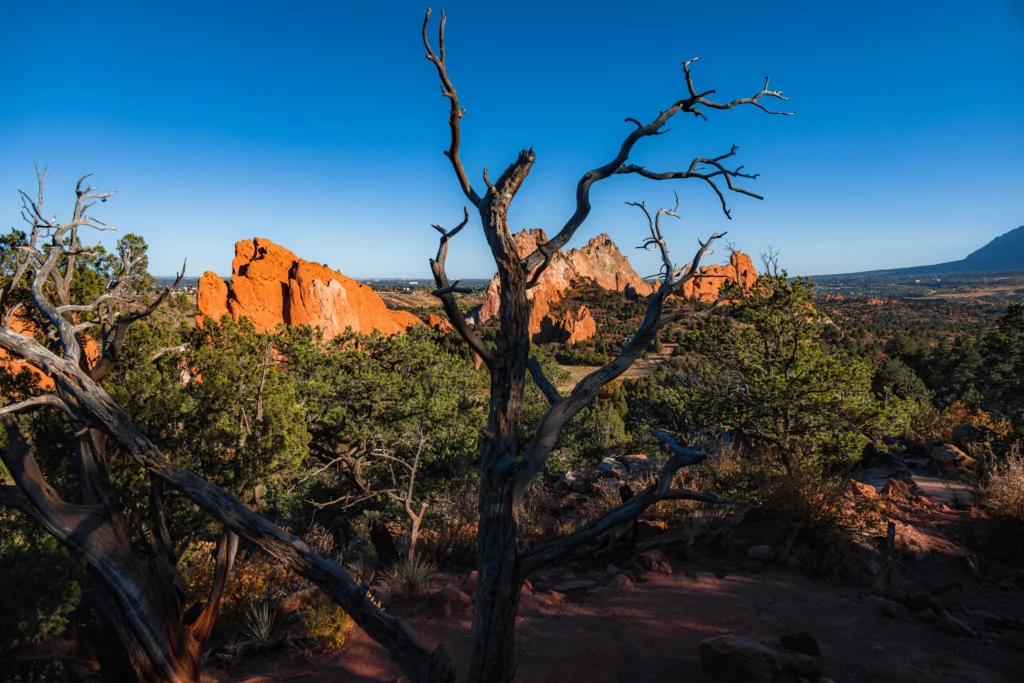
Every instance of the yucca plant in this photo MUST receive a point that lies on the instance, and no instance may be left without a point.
(259, 622)
(409, 578)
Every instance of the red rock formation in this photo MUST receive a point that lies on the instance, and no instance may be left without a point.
(270, 286)
(707, 284)
(439, 324)
(600, 260)
(571, 329)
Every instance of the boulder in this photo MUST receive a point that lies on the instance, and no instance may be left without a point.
(918, 602)
(612, 468)
(270, 286)
(574, 585)
(863, 491)
(967, 434)
(947, 454)
(802, 641)
(896, 488)
(444, 603)
(469, 583)
(738, 659)
(955, 626)
(654, 561)
(761, 553)
(639, 464)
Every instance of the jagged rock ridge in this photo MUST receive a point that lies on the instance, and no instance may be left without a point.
(601, 261)
(270, 285)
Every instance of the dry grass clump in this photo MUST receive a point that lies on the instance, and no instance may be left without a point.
(1003, 490)
(409, 579)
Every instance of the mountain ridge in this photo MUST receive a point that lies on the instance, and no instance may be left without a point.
(1004, 253)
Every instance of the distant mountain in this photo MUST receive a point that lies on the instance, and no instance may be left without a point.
(1004, 253)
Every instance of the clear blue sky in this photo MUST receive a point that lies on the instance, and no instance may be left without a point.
(321, 126)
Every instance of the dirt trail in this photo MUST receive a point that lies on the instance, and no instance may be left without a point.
(651, 633)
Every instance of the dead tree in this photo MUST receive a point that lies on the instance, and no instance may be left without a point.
(505, 471)
(141, 597)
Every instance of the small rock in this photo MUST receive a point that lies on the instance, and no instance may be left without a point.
(469, 583)
(894, 488)
(610, 467)
(753, 566)
(761, 553)
(928, 616)
(891, 609)
(655, 561)
(1014, 639)
(612, 569)
(801, 641)
(705, 577)
(639, 464)
(574, 585)
(622, 581)
(878, 649)
(862, 490)
(806, 666)
(737, 659)
(444, 603)
(947, 454)
(954, 626)
(922, 601)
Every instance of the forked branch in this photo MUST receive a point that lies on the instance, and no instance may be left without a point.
(682, 456)
(446, 292)
(691, 104)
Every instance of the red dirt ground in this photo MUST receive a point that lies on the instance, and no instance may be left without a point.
(651, 633)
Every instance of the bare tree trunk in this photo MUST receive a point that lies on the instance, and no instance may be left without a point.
(505, 473)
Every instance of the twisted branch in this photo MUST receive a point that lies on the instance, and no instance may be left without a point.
(445, 292)
(690, 105)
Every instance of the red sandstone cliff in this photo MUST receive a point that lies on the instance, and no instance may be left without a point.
(271, 285)
(708, 282)
(601, 261)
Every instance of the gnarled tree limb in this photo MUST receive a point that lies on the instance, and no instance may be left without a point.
(445, 291)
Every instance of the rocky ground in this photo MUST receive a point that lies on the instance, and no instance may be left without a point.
(949, 606)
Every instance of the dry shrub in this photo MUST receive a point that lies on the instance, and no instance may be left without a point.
(328, 624)
(807, 516)
(934, 423)
(255, 578)
(1004, 488)
(449, 533)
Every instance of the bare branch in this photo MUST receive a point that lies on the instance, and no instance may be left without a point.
(445, 291)
(420, 662)
(539, 558)
(589, 387)
(688, 105)
(36, 402)
(543, 383)
(456, 111)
